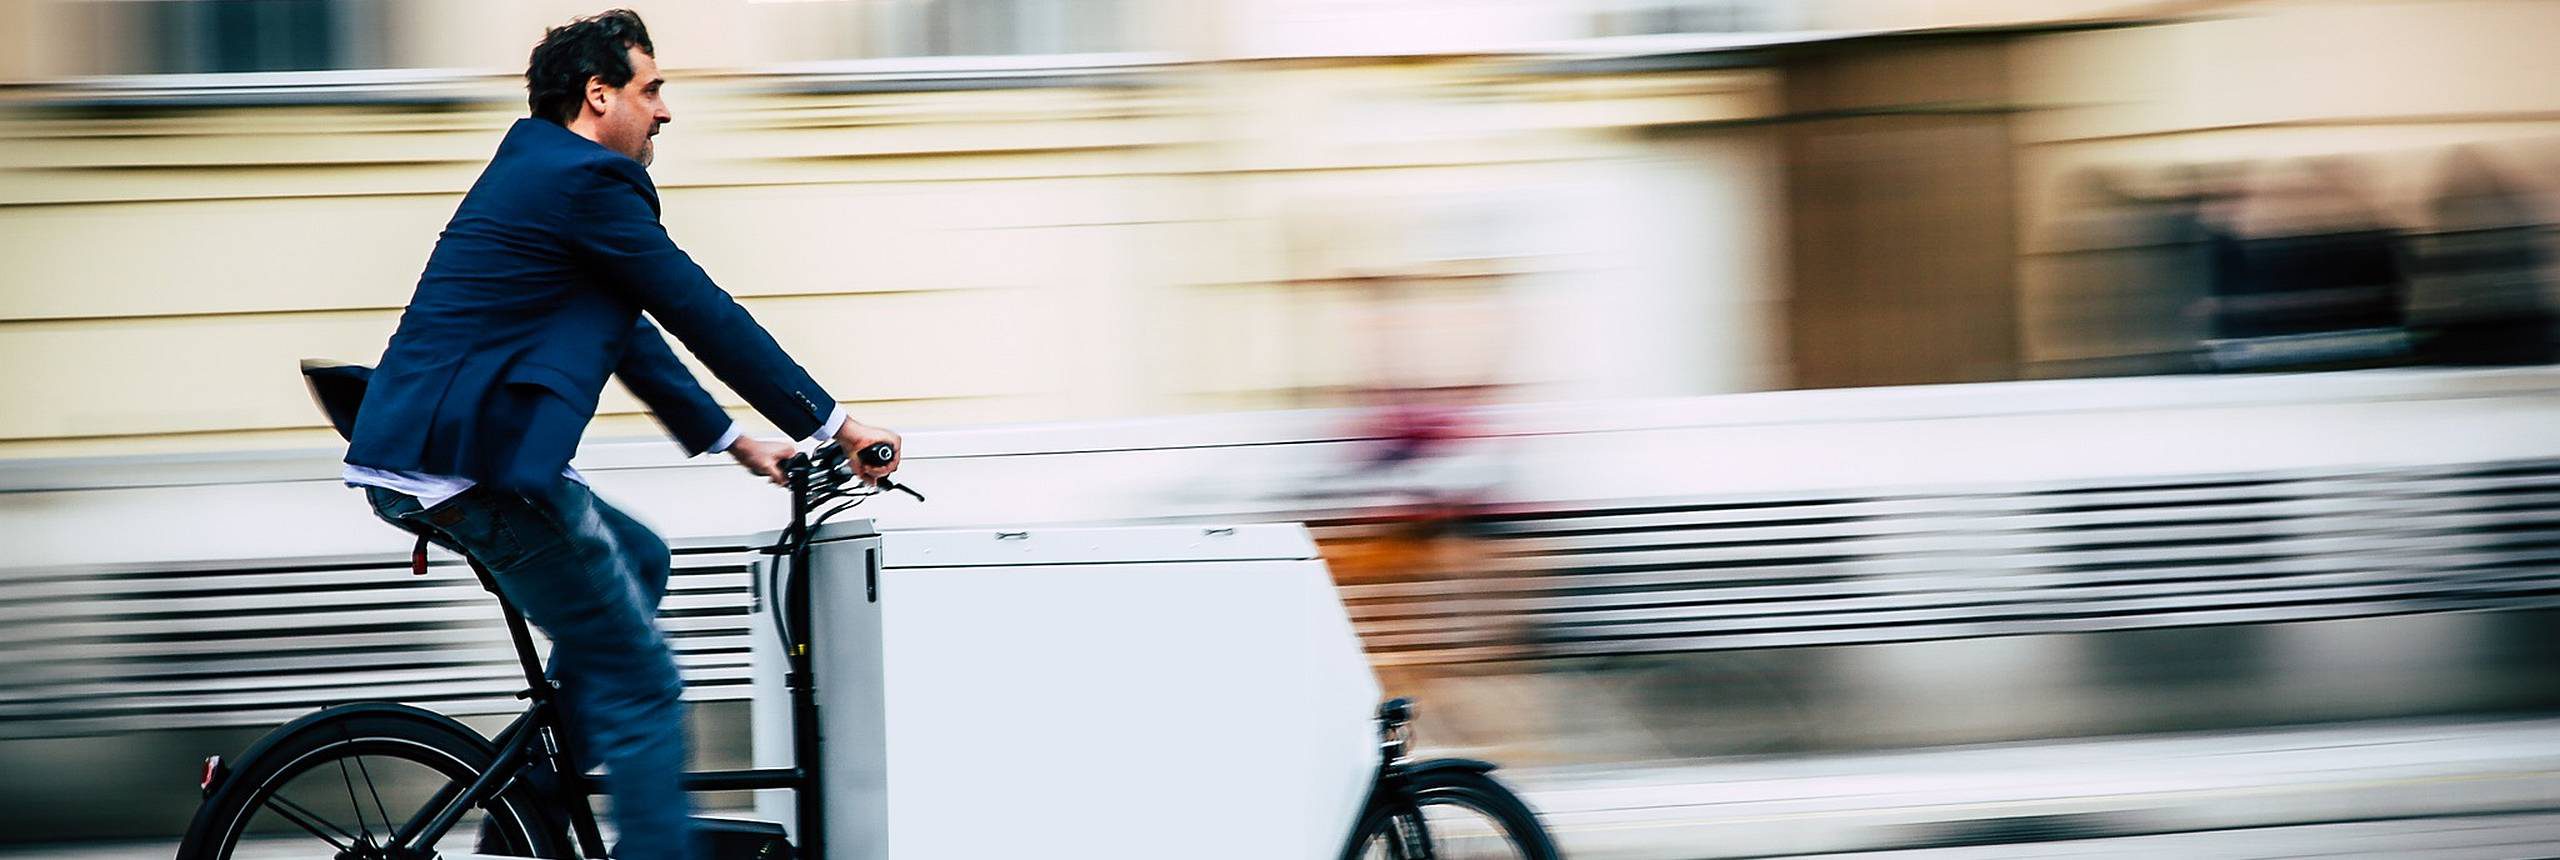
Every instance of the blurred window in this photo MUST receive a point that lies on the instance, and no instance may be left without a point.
(216, 36)
(940, 28)
(1650, 17)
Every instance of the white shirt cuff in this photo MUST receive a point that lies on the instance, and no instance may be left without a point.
(726, 439)
(835, 422)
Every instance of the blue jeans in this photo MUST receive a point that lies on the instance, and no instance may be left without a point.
(590, 577)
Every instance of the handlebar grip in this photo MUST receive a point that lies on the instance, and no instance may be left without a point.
(878, 454)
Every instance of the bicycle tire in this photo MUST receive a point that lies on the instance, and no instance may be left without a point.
(365, 739)
(1464, 788)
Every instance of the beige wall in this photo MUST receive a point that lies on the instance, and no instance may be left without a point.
(59, 38)
(478, 35)
(2296, 79)
(1930, 14)
(936, 257)
(1075, 252)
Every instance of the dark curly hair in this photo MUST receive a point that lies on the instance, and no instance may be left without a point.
(596, 46)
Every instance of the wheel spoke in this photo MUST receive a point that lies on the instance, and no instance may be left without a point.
(305, 819)
(285, 789)
(1456, 818)
(378, 808)
(1421, 838)
(352, 803)
(361, 827)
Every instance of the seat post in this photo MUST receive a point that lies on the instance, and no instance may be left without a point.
(538, 688)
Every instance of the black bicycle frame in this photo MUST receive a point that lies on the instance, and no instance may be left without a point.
(535, 739)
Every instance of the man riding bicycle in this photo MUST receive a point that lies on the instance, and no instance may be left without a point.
(535, 293)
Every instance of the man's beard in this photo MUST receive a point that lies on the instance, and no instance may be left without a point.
(648, 151)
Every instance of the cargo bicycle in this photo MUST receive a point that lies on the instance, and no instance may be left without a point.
(389, 781)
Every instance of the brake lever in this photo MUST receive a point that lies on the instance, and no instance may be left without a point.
(884, 483)
(879, 454)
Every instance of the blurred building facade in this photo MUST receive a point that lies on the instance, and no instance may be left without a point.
(969, 211)
(965, 212)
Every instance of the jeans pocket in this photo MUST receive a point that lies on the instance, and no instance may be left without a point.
(481, 522)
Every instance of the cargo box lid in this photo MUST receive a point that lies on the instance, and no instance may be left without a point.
(1095, 545)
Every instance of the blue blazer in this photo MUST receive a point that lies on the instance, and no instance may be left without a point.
(533, 296)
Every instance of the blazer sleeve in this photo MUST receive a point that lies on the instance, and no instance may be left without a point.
(614, 229)
(651, 371)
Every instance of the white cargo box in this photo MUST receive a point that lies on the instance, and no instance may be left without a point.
(1153, 691)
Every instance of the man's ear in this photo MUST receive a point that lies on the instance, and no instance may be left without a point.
(597, 94)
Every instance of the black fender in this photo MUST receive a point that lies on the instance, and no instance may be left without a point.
(218, 791)
(1440, 764)
(264, 743)
(1391, 787)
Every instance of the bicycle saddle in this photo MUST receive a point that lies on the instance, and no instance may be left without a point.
(339, 388)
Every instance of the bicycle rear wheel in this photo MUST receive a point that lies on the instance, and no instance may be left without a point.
(336, 784)
(1459, 815)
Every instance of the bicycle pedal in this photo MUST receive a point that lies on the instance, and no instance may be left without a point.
(742, 839)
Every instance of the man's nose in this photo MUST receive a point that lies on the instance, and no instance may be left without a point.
(664, 116)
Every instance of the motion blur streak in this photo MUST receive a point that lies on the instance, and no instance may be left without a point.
(1957, 429)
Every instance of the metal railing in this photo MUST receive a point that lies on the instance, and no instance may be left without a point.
(1846, 569)
(164, 593)
(88, 651)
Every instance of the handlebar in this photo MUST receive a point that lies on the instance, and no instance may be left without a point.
(817, 478)
(878, 454)
(831, 472)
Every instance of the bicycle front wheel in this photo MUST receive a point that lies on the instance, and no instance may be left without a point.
(337, 784)
(1456, 815)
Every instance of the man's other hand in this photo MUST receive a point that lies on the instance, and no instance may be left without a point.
(855, 436)
(763, 458)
